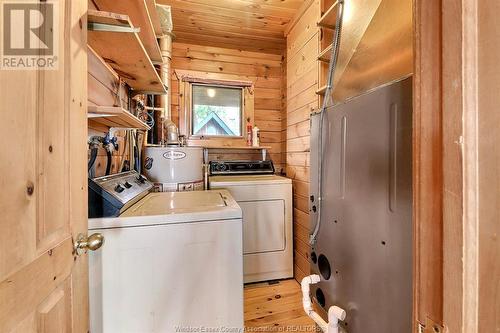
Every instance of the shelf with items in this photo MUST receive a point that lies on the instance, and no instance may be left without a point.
(116, 40)
(140, 15)
(115, 116)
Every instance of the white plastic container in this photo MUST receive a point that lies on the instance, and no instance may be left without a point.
(255, 137)
(174, 169)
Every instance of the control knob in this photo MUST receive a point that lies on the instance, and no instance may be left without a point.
(221, 167)
(119, 188)
(141, 179)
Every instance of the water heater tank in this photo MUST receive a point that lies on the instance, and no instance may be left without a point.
(174, 169)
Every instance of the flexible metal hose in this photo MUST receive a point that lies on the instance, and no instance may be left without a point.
(327, 101)
(93, 156)
(108, 162)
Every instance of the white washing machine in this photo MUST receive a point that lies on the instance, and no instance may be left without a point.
(266, 202)
(171, 262)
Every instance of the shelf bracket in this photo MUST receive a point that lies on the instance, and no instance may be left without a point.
(264, 154)
(94, 26)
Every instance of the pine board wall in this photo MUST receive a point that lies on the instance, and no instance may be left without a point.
(301, 85)
(265, 70)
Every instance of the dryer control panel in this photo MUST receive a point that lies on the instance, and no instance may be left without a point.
(241, 167)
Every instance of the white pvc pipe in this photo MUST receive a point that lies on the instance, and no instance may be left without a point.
(334, 313)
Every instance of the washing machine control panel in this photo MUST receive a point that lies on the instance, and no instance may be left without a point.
(116, 192)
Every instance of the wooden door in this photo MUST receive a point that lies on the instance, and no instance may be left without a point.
(43, 203)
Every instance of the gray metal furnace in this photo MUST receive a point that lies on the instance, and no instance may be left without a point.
(364, 247)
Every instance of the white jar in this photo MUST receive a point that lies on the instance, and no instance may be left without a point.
(255, 137)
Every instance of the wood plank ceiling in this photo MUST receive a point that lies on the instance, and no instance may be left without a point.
(252, 25)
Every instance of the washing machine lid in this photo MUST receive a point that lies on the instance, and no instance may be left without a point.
(236, 180)
(174, 207)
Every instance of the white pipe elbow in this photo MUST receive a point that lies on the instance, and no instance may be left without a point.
(334, 315)
(305, 286)
(334, 312)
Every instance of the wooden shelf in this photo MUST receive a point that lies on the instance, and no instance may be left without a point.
(326, 54)
(114, 38)
(115, 116)
(321, 91)
(155, 18)
(140, 17)
(329, 18)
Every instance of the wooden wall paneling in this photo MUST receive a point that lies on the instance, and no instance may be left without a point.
(303, 61)
(104, 84)
(301, 203)
(306, 97)
(304, 28)
(202, 52)
(301, 99)
(217, 66)
(307, 80)
(104, 89)
(298, 144)
(300, 129)
(301, 114)
(300, 159)
(284, 94)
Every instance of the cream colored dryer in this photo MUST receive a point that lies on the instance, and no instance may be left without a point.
(266, 202)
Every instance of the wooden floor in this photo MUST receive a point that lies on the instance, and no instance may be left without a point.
(275, 308)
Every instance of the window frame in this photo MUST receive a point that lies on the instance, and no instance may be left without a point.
(185, 81)
(191, 109)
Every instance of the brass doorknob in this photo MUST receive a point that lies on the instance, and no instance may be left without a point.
(84, 243)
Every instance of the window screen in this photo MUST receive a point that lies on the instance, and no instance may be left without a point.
(216, 111)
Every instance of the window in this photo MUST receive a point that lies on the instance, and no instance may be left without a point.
(216, 111)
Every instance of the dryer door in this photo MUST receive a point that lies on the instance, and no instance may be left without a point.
(263, 226)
